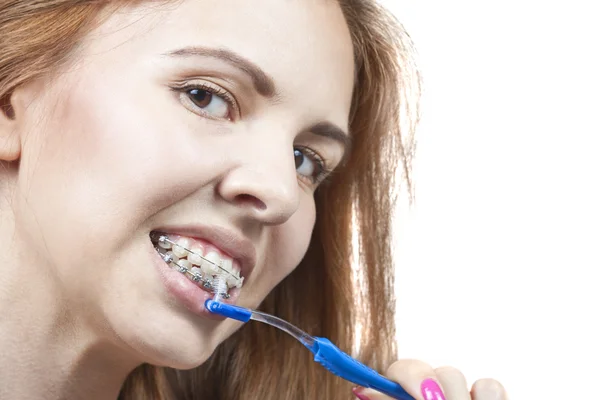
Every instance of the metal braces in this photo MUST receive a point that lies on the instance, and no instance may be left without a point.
(196, 277)
(162, 238)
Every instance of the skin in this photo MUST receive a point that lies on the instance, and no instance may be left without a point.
(111, 147)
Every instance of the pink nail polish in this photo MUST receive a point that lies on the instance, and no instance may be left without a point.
(431, 390)
(357, 392)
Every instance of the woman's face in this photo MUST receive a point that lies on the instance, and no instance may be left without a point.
(207, 119)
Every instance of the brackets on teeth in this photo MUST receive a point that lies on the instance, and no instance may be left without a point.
(197, 277)
(160, 239)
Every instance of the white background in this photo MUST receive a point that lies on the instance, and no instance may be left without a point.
(499, 259)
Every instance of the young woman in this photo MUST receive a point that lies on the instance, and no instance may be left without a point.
(266, 131)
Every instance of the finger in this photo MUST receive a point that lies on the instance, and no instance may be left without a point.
(453, 383)
(488, 389)
(416, 377)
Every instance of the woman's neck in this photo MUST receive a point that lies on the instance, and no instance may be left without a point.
(47, 350)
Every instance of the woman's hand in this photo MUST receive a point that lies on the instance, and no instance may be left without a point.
(426, 383)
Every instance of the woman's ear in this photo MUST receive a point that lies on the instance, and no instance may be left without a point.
(10, 138)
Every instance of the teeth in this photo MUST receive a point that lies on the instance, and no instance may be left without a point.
(239, 283)
(195, 256)
(174, 258)
(185, 264)
(193, 263)
(197, 274)
(231, 281)
(180, 248)
(162, 242)
(209, 266)
(228, 266)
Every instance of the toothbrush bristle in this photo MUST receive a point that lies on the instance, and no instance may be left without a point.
(219, 287)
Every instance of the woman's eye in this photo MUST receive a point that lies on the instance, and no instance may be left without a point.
(309, 164)
(210, 103)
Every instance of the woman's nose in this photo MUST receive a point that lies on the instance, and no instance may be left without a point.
(264, 185)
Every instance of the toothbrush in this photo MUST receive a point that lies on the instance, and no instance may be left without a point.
(325, 352)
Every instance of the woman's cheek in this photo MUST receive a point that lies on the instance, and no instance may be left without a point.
(293, 237)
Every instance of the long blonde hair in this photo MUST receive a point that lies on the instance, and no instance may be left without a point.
(325, 295)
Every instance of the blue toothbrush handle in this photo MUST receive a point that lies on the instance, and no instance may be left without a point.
(326, 353)
(341, 364)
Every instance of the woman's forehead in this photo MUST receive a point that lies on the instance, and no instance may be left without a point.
(303, 45)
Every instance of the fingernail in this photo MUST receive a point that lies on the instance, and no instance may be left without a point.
(431, 390)
(358, 392)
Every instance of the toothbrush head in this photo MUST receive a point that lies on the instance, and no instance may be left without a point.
(219, 287)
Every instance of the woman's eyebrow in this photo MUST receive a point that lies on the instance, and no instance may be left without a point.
(331, 131)
(262, 82)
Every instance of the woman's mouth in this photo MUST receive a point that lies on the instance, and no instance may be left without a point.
(199, 261)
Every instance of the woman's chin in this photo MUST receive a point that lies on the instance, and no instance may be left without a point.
(171, 341)
(184, 361)
(176, 353)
